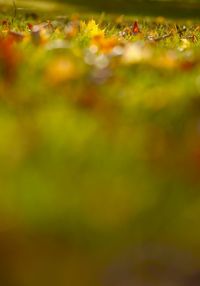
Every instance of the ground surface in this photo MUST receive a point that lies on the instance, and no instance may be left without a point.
(99, 149)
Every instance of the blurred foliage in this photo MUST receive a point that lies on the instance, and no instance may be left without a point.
(172, 8)
(99, 150)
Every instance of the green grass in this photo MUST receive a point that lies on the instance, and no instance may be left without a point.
(99, 150)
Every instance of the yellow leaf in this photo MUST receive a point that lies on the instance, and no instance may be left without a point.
(91, 29)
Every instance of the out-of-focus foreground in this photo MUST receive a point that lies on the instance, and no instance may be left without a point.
(99, 150)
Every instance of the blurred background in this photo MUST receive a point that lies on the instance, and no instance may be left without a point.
(171, 8)
(99, 182)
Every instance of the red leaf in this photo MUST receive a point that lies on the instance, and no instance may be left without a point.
(30, 26)
(136, 29)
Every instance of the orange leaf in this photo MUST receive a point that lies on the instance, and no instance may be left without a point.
(9, 58)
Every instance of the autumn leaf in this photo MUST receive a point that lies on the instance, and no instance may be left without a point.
(30, 26)
(91, 29)
(9, 57)
(61, 70)
(135, 29)
(105, 45)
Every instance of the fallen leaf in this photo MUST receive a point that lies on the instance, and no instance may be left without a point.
(9, 58)
(61, 70)
(135, 29)
(30, 26)
(105, 45)
(91, 29)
